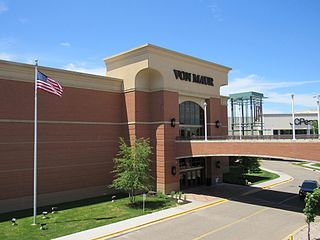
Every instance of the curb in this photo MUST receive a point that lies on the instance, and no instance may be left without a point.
(278, 183)
(267, 187)
(184, 212)
(307, 167)
(160, 219)
(294, 232)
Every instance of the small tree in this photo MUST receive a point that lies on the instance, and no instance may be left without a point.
(314, 125)
(248, 164)
(132, 167)
(312, 207)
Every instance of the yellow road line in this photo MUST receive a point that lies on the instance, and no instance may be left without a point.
(244, 218)
(266, 187)
(278, 183)
(230, 224)
(295, 231)
(160, 219)
(181, 213)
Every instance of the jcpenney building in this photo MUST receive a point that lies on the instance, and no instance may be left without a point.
(149, 92)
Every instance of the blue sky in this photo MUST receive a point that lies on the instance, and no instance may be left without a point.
(273, 46)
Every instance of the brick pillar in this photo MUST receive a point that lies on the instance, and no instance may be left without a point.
(130, 114)
(165, 106)
(217, 112)
(215, 167)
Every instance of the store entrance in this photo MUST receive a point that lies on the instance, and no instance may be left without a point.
(192, 172)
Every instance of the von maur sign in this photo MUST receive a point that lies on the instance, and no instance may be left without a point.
(191, 77)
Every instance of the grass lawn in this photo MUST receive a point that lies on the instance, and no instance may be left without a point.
(235, 177)
(78, 216)
(313, 166)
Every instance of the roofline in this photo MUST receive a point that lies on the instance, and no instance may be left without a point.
(58, 69)
(148, 45)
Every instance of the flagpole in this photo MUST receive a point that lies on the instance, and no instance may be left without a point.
(35, 145)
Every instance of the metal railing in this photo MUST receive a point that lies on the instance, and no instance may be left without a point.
(250, 137)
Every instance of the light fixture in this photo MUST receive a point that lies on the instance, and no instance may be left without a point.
(173, 122)
(54, 209)
(218, 124)
(173, 170)
(43, 226)
(44, 214)
(13, 220)
(218, 164)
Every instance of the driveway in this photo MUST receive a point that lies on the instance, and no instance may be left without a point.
(267, 214)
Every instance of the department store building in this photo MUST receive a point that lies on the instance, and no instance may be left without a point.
(148, 92)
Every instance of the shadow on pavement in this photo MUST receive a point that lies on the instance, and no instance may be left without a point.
(253, 195)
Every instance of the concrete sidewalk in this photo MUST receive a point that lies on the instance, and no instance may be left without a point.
(311, 165)
(137, 222)
(282, 178)
(114, 229)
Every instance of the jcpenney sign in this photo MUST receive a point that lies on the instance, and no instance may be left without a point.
(191, 77)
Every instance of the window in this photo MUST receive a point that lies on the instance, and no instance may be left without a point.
(191, 119)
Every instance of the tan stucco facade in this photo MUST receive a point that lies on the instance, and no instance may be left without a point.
(160, 64)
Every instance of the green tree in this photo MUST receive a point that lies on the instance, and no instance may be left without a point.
(249, 164)
(314, 125)
(132, 167)
(312, 207)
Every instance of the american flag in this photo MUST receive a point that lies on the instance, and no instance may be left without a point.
(49, 85)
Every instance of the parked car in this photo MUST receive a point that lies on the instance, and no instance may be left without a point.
(307, 186)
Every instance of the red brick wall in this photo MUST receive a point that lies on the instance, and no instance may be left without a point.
(153, 112)
(217, 112)
(74, 152)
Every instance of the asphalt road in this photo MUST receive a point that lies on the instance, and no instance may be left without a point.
(268, 214)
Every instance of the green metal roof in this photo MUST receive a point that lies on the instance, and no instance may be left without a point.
(246, 95)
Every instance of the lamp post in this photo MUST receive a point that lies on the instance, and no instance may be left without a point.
(293, 125)
(318, 103)
(240, 122)
(205, 122)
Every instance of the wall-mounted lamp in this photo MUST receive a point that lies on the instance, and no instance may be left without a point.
(173, 122)
(218, 124)
(218, 164)
(173, 170)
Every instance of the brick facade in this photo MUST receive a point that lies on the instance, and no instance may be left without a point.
(78, 134)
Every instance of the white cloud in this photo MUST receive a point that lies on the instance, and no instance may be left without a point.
(258, 84)
(269, 89)
(74, 67)
(3, 7)
(7, 56)
(65, 44)
(305, 100)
